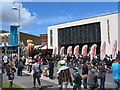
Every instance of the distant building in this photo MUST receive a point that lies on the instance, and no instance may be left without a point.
(87, 31)
(5, 38)
(24, 37)
(43, 39)
(5, 41)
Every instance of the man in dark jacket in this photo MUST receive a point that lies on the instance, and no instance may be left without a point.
(85, 72)
(51, 67)
(19, 67)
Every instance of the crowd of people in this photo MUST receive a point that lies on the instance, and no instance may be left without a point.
(92, 70)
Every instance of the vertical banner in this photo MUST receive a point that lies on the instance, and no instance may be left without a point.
(114, 49)
(13, 36)
(76, 50)
(55, 51)
(103, 50)
(62, 51)
(84, 50)
(93, 50)
(69, 51)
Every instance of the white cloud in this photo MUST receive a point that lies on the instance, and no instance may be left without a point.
(10, 17)
(53, 20)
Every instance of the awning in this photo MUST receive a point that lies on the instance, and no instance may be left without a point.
(40, 47)
(7, 46)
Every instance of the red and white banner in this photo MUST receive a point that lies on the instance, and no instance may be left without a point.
(84, 50)
(103, 50)
(62, 51)
(76, 50)
(55, 51)
(114, 49)
(69, 51)
(93, 50)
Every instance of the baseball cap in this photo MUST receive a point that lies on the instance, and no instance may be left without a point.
(75, 68)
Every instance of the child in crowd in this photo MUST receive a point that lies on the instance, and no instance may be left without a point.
(46, 72)
(77, 79)
(10, 73)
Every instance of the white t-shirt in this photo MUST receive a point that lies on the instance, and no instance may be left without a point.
(5, 59)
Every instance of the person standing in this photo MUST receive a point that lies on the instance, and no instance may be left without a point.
(36, 67)
(116, 73)
(19, 67)
(10, 73)
(64, 76)
(5, 60)
(77, 79)
(102, 75)
(51, 67)
(85, 72)
(30, 64)
(92, 80)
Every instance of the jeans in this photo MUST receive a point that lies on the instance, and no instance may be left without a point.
(85, 83)
(19, 73)
(102, 83)
(51, 73)
(34, 80)
(30, 68)
(117, 84)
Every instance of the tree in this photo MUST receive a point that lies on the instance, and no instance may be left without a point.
(3, 31)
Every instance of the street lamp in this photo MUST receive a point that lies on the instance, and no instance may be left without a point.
(15, 8)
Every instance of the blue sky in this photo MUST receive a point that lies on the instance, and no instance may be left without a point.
(44, 14)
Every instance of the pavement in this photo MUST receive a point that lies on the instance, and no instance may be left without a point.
(26, 80)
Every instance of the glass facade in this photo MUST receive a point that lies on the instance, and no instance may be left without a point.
(80, 35)
(51, 38)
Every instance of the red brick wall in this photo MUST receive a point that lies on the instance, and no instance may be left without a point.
(24, 37)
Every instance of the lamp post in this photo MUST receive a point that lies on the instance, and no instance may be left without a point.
(15, 8)
(1, 66)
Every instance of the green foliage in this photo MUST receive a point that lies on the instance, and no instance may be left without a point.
(3, 31)
(15, 86)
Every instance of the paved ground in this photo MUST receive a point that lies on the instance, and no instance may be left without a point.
(26, 81)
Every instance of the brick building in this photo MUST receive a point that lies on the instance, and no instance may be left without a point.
(43, 39)
(5, 38)
(24, 37)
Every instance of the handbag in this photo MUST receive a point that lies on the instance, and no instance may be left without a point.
(32, 73)
(84, 76)
(37, 74)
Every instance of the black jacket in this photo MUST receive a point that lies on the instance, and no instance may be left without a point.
(84, 69)
(77, 78)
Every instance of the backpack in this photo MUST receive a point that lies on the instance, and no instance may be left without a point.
(77, 78)
(35, 68)
(20, 65)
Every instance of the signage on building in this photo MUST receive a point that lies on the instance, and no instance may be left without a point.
(13, 35)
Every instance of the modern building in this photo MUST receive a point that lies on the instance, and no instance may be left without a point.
(89, 31)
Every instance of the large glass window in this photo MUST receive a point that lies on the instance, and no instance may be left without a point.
(88, 33)
(79, 35)
(51, 38)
